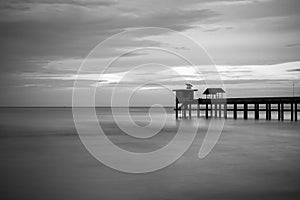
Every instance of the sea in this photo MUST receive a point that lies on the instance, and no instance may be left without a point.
(42, 157)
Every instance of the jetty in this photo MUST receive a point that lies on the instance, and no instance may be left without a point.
(214, 105)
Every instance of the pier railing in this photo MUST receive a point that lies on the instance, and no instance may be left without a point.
(221, 107)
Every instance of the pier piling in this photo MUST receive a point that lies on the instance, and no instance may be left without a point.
(198, 109)
(176, 108)
(267, 111)
(256, 111)
(296, 112)
(216, 110)
(235, 111)
(206, 110)
(292, 112)
(245, 111)
(279, 112)
(225, 110)
(282, 111)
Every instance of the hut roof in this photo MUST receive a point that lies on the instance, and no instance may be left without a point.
(213, 91)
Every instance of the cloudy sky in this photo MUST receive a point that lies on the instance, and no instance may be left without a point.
(254, 43)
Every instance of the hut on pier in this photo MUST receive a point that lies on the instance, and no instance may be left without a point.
(183, 95)
(185, 98)
(214, 93)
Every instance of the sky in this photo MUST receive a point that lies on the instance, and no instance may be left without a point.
(253, 45)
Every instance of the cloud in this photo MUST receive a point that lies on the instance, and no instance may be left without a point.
(233, 2)
(293, 70)
(36, 85)
(22, 5)
(214, 27)
(37, 32)
(293, 45)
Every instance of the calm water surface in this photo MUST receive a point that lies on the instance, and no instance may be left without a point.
(41, 157)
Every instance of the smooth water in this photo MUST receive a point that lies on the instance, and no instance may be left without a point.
(42, 157)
